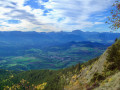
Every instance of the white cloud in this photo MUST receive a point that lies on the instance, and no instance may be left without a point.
(65, 15)
(99, 23)
(77, 11)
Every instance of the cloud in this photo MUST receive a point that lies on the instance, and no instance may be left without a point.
(78, 10)
(53, 15)
(77, 14)
(99, 23)
(23, 15)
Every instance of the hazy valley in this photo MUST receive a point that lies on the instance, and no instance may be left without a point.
(53, 50)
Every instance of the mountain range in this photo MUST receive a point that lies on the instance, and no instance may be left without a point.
(42, 39)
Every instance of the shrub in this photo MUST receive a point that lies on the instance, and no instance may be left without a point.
(97, 77)
(114, 56)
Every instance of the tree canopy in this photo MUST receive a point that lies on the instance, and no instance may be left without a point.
(114, 19)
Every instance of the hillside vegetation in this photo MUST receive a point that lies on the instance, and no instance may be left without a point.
(102, 73)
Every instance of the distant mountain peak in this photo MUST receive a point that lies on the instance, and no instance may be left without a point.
(77, 31)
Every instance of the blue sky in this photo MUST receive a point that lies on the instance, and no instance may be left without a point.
(54, 15)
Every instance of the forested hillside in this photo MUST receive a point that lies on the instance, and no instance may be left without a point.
(102, 72)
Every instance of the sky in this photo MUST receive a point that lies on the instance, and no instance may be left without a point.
(54, 15)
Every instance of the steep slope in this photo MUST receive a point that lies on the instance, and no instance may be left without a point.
(111, 83)
(87, 73)
(103, 74)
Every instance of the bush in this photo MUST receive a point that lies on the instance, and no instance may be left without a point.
(97, 77)
(93, 86)
(114, 56)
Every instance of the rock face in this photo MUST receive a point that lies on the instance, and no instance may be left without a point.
(83, 79)
(88, 72)
(111, 83)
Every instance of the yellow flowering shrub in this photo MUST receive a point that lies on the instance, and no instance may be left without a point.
(41, 86)
(74, 77)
